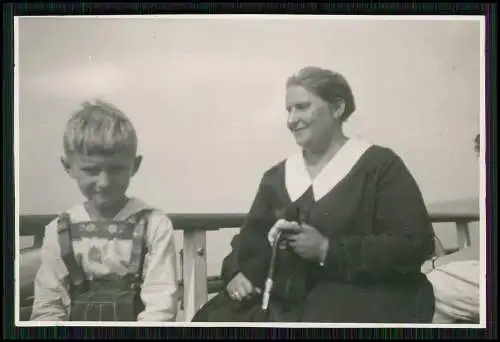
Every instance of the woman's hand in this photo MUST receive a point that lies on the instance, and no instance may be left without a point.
(240, 288)
(307, 242)
(283, 226)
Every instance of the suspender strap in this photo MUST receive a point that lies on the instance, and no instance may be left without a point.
(138, 250)
(76, 273)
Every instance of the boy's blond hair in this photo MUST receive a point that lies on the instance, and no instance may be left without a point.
(99, 128)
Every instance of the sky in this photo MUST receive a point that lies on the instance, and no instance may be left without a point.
(207, 99)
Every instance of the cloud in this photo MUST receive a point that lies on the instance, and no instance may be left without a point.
(87, 81)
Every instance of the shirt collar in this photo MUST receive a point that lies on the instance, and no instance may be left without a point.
(297, 178)
(133, 206)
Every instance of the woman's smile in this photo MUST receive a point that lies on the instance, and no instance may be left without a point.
(298, 127)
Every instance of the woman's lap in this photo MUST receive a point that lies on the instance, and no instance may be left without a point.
(332, 303)
(345, 303)
(222, 308)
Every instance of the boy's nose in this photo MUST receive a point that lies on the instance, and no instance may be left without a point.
(103, 179)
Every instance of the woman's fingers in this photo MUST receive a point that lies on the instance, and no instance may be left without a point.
(273, 232)
(293, 239)
(240, 287)
(233, 288)
(283, 226)
(283, 245)
(236, 293)
(246, 288)
(290, 227)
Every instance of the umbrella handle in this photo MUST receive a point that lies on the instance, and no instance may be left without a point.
(267, 294)
(269, 281)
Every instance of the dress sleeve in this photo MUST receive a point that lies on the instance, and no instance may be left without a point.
(254, 251)
(403, 236)
(230, 266)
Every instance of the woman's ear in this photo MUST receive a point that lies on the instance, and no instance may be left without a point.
(339, 109)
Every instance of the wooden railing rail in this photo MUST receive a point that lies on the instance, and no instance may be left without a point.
(194, 258)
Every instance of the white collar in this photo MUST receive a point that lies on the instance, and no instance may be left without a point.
(133, 206)
(297, 179)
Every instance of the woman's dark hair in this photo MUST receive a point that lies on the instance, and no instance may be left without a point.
(327, 84)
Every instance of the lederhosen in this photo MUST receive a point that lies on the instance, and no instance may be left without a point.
(113, 297)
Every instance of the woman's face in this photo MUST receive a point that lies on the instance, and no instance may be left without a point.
(310, 118)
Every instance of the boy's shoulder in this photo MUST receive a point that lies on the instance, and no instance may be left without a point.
(137, 206)
(158, 222)
(159, 225)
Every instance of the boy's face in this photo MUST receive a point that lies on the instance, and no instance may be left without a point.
(103, 179)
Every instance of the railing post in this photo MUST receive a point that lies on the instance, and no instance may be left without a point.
(181, 261)
(463, 234)
(194, 272)
(38, 240)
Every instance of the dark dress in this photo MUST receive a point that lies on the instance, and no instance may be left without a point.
(379, 233)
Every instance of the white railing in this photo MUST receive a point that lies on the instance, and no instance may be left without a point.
(195, 284)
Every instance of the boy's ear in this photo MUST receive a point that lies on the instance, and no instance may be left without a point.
(67, 166)
(137, 164)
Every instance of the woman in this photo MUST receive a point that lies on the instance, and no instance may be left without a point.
(356, 230)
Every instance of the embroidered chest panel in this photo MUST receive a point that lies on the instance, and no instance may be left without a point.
(111, 247)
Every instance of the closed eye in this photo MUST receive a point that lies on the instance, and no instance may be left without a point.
(301, 106)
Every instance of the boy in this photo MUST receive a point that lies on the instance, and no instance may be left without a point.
(111, 258)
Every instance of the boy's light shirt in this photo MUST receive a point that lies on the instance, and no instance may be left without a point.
(456, 288)
(100, 257)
